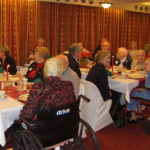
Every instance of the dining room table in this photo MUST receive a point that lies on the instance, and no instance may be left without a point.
(10, 106)
(9, 111)
(122, 85)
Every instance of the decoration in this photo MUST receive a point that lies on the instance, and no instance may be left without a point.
(91, 1)
(85, 56)
(83, 1)
(85, 59)
(112, 64)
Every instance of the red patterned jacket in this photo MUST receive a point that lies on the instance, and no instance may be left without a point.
(53, 92)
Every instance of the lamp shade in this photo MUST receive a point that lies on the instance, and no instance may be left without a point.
(106, 4)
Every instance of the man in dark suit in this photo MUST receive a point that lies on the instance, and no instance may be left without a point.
(122, 59)
(73, 58)
(104, 45)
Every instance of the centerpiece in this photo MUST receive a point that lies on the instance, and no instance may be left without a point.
(85, 59)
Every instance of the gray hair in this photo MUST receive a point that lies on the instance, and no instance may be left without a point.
(73, 48)
(5, 49)
(100, 55)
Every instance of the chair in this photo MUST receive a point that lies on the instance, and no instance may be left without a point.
(146, 112)
(57, 127)
(96, 112)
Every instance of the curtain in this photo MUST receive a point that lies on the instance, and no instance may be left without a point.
(22, 22)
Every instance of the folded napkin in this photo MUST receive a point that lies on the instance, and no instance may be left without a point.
(1, 70)
(109, 73)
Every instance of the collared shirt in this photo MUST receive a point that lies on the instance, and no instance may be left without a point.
(122, 61)
(76, 59)
(65, 71)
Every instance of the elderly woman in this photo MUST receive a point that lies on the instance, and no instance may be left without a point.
(140, 92)
(98, 74)
(139, 62)
(53, 92)
(133, 50)
(39, 43)
(6, 60)
(35, 70)
(122, 61)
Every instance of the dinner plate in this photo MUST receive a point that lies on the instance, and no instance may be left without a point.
(23, 98)
(136, 76)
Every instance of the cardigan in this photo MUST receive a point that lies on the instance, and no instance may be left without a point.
(38, 72)
(98, 76)
(12, 65)
(51, 93)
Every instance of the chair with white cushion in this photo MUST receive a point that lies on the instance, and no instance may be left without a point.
(96, 112)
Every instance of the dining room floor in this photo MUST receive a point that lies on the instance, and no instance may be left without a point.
(130, 137)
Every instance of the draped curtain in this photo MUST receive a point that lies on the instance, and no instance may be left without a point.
(22, 22)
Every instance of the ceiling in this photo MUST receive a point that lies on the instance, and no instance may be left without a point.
(132, 1)
(131, 5)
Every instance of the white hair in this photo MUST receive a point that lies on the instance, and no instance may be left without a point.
(123, 50)
(53, 67)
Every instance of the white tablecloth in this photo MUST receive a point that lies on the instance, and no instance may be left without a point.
(9, 111)
(123, 86)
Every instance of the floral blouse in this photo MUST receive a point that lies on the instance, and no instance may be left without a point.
(53, 92)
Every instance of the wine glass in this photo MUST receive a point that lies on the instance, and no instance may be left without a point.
(7, 85)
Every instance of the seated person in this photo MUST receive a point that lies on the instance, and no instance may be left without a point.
(122, 61)
(39, 43)
(69, 74)
(143, 92)
(35, 70)
(6, 60)
(104, 45)
(139, 62)
(133, 50)
(98, 74)
(73, 58)
(53, 92)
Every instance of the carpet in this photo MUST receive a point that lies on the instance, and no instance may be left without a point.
(130, 137)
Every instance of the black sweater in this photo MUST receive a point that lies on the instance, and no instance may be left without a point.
(98, 76)
(12, 65)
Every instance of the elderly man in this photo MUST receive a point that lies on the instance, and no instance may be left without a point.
(69, 74)
(139, 62)
(73, 58)
(122, 60)
(104, 45)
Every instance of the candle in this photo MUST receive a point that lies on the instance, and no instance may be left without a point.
(112, 63)
(7, 72)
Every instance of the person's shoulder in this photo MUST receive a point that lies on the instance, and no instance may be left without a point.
(67, 84)
(37, 86)
(128, 59)
(33, 64)
(10, 58)
(134, 61)
(73, 73)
